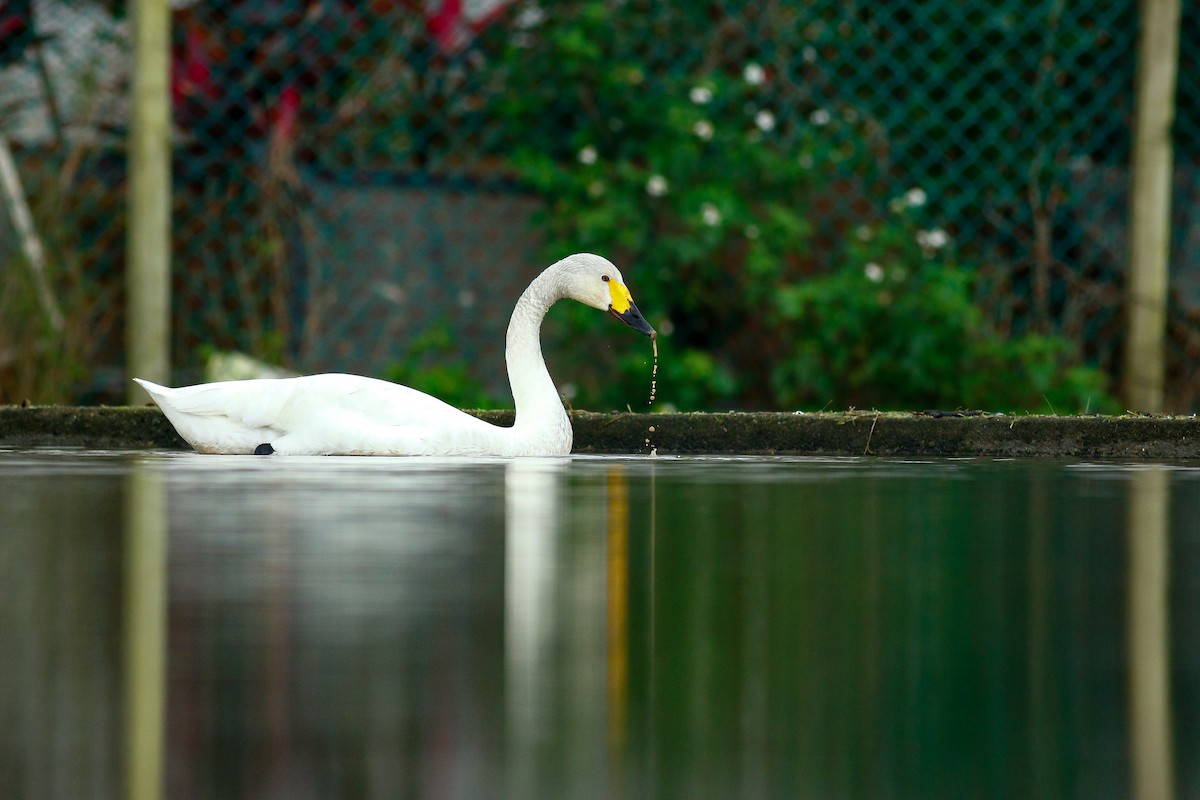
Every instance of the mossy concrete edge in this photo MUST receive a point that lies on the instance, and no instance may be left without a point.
(846, 433)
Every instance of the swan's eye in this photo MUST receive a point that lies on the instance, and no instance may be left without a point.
(604, 278)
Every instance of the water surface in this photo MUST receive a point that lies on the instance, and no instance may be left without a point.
(228, 627)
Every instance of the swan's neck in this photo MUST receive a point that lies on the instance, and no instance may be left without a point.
(540, 411)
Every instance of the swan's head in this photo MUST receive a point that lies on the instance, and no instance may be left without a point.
(595, 281)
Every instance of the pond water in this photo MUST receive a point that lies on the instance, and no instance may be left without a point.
(194, 626)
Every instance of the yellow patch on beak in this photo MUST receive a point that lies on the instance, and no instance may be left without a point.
(621, 298)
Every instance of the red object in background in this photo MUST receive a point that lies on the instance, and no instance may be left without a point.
(445, 24)
(16, 29)
(284, 116)
(452, 28)
(200, 64)
(191, 68)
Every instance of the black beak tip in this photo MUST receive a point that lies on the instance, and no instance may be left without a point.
(634, 319)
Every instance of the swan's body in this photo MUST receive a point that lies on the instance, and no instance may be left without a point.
(338, 414)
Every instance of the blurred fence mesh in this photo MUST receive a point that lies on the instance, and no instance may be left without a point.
(344, 183)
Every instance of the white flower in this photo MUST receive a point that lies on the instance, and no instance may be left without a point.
(810, 54)
(700, 95)
(587, 155)
(874, 272)
(392, 292)
(656, 186)
(915, 197)
(710, 214)
(819, 117)
(864, 233)
(934, 239)
(765, 120)
(754, 74)
(530, 17)
(703, 129)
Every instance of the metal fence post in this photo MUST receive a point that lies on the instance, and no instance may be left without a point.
(1150, 206)
(147, 271)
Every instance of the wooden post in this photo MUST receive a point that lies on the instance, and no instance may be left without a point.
(1150, 206)
(148, 264)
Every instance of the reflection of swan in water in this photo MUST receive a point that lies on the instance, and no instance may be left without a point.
(565, 629)
(531, 523)
(531, 586)
(353, 415)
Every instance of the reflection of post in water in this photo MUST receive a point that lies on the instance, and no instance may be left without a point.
(618, 608)
(1045, 701)
(652, 650)
(145, 632)
(1149, 644)
(279, 655)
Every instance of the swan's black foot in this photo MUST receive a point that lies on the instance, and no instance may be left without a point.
(264, 449)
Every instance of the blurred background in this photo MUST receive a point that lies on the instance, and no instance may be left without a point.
(819, 205)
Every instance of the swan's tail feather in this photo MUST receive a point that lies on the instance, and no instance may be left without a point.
(244, 401)
(153, 388)
(198, 415)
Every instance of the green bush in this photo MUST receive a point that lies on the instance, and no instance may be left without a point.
(430, 365)
(711, 185)
(897, 326)
(694, 182)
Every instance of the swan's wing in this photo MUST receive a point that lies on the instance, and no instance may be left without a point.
(269, 402)
(381, 401)
(352, 414)
(318, 413)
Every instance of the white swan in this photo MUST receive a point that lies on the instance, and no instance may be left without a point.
(351, 415)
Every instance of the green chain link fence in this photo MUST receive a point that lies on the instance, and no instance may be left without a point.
(883, 204)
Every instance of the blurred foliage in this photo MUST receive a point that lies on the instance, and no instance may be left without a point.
(434, 365)
(40, 362)
(691, 181)
(718, 205)
(897, 326)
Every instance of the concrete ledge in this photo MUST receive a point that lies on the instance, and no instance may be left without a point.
(893, 434)
(850, 433)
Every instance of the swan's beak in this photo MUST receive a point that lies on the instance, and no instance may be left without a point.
(622, 307)
(633, 318)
